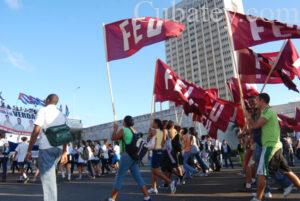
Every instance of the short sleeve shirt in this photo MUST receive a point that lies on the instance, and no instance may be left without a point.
(47, 117)
(127, 138)
(271, 130)
(22, 151)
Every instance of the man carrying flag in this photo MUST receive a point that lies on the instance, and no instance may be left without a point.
(271, 159)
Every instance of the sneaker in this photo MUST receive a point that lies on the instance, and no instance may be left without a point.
(287, 190)
(26, 180)
(267, 195)
(153, 191)
(173, 187)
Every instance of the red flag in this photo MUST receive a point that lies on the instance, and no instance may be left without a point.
(255, 68)
(287, 124)
(169, 87)
(248, 30)
(249, 90)
(289, 59)
(297, 116)
(126, 37)
(210, 126)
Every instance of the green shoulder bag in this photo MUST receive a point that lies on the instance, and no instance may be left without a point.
(59, 135)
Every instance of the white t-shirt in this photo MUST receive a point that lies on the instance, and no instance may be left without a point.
(105, 152)
(22, 151)
(117, 150)
(91, 154)
(80, 151)
(47, 117)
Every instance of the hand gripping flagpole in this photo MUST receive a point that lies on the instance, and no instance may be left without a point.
(235, 64)
(274, 66)
(108, 75)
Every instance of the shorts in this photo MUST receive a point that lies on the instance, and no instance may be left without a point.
(81, 164)
(95, 162)
(166, 163)
(272, 163)
(257, 153)
(21, 164)
(176, 157)
(115, 159)
(157, 159)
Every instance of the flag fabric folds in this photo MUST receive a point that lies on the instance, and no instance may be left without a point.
(248, 31)
(169, 86)
(125, 37)
(249, 90)
(27, 99)
(255, 68)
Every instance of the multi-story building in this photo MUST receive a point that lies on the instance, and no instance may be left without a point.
(202, 54)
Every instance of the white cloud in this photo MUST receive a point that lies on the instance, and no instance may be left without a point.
(14, 4)
(15, 59)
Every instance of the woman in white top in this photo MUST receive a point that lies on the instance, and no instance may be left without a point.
(95, 158)
(80, 163)
(68, 165)
(160, 135)
(90, 159)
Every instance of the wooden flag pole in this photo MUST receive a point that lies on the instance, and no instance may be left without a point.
(274, 66)
(108, 75)
(235, 64)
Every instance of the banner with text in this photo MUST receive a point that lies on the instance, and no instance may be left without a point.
(19, 122)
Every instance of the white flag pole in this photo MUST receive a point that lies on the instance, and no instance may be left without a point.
(153, 102)
(176, 115)
(108, 75)
(181, 117)
(235, 63)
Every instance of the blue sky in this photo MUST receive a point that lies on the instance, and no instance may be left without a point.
(57, 45)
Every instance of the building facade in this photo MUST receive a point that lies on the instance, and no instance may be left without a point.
(202, 54)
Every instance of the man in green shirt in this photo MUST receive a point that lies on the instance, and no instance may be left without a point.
(272, 158)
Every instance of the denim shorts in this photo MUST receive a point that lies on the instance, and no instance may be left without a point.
(157, 159)
(257, 153)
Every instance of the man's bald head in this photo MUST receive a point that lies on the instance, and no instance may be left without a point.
(52, 99)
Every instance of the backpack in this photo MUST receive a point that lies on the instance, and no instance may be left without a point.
(137, 148)
(85, 154)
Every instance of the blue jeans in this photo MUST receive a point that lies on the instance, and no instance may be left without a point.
(47, 161)
(189, 169)
(203, 165)
(282, 180)
(3, 163)
(126, 164)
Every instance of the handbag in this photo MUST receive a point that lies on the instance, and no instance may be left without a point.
(59, 135)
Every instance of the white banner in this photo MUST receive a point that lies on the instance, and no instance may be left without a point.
(16, 121)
